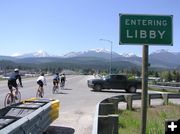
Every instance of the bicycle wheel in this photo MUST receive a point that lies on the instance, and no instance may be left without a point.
(62, 85)
(8, 100)
(57, 89)
(54, 89)
(40, 93)
(18, 97)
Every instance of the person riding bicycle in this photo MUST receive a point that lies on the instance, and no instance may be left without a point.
(12, 81)
(56, 79)
(63, 79)
(41, 81)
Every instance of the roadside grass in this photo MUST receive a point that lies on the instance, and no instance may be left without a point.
(130, 121)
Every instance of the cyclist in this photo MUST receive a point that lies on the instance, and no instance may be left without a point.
(12, 82)
(63, 79)
(56, 79)
(41, 81)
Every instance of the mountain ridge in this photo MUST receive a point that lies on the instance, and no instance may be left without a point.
(86, 53)
(161, 58)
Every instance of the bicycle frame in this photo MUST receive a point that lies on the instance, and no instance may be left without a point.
(12, 98)
(62, 84)
(40, 92)
(55, 89)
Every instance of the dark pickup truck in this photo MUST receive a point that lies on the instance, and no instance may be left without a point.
(115, 82)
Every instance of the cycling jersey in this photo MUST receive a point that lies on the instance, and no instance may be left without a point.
(63, 78)
(42, 79)
(56, 77)
(12, 80)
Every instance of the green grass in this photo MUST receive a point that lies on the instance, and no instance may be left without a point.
(130, 121)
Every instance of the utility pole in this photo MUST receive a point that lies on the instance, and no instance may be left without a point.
(110, 69)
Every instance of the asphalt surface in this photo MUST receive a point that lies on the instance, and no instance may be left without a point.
(77, 102)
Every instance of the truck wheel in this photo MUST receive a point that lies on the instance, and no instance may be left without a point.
(131, 89)
(97, 87)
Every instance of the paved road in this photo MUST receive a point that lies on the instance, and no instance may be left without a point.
(77, 106)
(78, 102)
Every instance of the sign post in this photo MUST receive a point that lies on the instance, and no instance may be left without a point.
(146, 30)
(144, 89)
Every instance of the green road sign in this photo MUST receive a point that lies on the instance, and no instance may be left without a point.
(145, 29)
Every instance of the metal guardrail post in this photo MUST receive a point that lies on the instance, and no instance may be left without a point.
(165, 99)
(129, 102)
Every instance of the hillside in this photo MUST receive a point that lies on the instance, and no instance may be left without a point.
(99, 59)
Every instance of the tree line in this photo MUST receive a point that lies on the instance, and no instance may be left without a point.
(103, 69)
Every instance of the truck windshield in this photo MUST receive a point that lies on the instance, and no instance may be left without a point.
(106, 77)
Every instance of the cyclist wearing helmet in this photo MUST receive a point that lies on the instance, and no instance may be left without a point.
(41, 80)
(63, 79)
(12, 81)
(56, 79)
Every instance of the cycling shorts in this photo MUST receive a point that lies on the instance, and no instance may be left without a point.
(12, 83)
(40, 83)
(55, 81)
(62, 79)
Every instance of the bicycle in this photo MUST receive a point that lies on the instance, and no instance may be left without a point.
(40, 92)
(62, 84)
(12, 98)
(55, 89)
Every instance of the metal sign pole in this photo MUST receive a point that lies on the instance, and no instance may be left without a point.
(144, 89)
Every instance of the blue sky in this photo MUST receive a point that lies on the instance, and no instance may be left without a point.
(62, 26)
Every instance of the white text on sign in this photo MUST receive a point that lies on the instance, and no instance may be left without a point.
(142, 34)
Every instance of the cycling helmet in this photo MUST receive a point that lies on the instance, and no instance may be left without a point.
(57, 73)
(16, 70)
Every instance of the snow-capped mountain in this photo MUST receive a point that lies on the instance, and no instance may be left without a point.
(100, 50)
(128, 55)
(160, 58)
(72, 54)
(101, 53)
(16, 54)
(39, 53)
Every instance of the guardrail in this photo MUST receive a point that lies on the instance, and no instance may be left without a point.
(31, 116)
(106, 112)
(165, 88)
